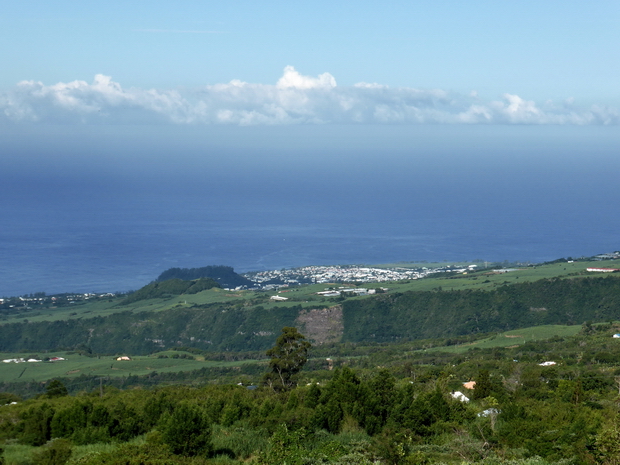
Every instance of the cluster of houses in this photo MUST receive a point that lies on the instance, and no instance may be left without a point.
(33, 360)
(121, 358)
(42, 299)
(332, 292)
(353, 273)
(349, 291)
(608, 256)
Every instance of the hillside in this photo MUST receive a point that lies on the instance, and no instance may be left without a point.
(387, 404)
(169, 288)
(415, 315)
(243, 325)
(378, 387)
(224, 275)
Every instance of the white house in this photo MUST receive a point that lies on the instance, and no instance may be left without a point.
(458, 395)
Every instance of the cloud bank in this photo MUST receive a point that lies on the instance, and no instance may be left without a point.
(294, 99)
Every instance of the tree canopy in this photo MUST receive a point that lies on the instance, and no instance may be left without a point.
(288, 357)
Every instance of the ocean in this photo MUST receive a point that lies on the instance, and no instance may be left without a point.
(115, 225)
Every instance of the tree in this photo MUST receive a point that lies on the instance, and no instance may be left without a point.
(187, 431)
(288, 357)
(608, 443)
(36, 426)
(55, 388)
(482, 387)
(7, 398)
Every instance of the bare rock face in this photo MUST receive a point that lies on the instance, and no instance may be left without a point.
(321, 325)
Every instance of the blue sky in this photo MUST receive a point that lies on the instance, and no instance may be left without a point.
(257, 63)
(474, 122)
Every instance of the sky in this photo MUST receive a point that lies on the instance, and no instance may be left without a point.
(496, 111)
(266, 63)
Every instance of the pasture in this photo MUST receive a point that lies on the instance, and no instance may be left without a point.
(514, 338)
(77, 365)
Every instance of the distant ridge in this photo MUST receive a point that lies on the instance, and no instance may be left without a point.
(224, 275)
(169, 288)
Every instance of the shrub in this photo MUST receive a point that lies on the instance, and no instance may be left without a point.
(55, 452)
(187, 431)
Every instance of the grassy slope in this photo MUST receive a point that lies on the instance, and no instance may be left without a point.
(514, 338)
(527, 274)
(77, 365)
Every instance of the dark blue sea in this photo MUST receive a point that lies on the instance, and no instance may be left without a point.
(115, 221)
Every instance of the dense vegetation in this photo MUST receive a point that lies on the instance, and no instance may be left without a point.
(401, 412)
(414, 315)
(216, 327)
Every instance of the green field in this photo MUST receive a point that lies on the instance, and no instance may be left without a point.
(490, 279)
(514, 338)
(77, 365)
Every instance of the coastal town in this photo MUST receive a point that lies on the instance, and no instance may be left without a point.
(269, 280)
(41, 298)
(347, 273)
(272, 279)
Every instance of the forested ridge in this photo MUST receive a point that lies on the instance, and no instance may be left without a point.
(418, 315)
(383, 318)
(216, 327)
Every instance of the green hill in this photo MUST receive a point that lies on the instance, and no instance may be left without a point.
(224, 275)
(169, 288)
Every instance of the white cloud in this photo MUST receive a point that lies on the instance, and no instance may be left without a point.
(294, 99)
(292, 78)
